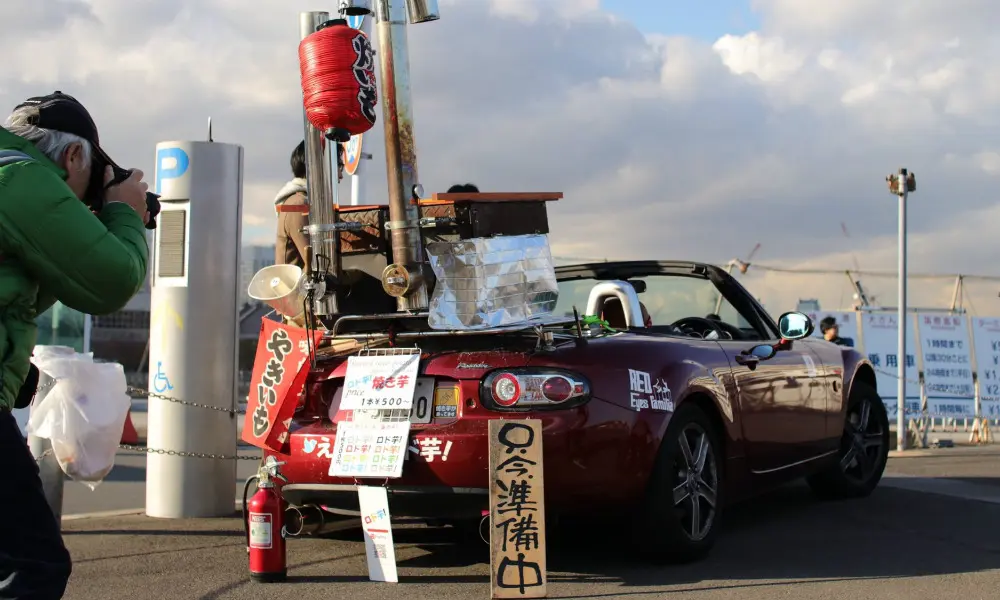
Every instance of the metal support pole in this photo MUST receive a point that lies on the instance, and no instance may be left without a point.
(88, 326)
(320, 190)
(901, 184)
(49, 471)
(956, 296)
(901, 401)
(358, 187)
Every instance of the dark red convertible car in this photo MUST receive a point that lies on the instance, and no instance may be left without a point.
(679, 409)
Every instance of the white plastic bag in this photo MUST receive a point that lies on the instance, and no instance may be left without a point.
(83, 414)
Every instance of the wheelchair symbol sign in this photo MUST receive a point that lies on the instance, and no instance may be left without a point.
(161, 383)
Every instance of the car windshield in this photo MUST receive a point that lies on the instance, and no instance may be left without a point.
(667, 298)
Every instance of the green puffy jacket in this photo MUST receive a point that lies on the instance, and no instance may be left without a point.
(52, 247)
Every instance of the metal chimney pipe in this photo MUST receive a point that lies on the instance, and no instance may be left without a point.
(422, 11)
(323, 239)
(404, 278)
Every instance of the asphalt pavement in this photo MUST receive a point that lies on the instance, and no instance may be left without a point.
(928, 532)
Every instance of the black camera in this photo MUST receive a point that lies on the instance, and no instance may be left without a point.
(95, 190)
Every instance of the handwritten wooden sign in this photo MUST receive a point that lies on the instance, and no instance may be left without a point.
(517, 510)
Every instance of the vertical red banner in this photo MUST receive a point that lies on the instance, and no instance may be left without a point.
(280, 369)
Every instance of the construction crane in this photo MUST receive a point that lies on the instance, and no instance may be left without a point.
(859, 291)
(742, 265)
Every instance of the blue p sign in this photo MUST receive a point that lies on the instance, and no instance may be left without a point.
(171, 163)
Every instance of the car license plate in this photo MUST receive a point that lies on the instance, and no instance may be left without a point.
(421, 411)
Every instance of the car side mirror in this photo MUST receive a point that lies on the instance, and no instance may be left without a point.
(795, 326)
(749, 358)
(763, 351)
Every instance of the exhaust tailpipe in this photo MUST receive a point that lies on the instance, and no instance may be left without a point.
(422, 11)
(313, 520)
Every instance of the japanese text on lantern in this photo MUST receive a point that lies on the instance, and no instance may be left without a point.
(274, 371)
(517, 510)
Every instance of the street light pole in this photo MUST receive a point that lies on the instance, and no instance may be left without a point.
(901, 185)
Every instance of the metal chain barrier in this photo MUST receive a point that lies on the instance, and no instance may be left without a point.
(148, 450)
(135, 391)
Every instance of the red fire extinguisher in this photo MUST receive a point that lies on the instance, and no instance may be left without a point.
(265, 525)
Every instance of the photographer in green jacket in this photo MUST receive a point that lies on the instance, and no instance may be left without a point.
(66, 234)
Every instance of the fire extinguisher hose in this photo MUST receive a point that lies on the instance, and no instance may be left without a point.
(246, 517)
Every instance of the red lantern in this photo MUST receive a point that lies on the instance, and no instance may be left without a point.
(338, 80)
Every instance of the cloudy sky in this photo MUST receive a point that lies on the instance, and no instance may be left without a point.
(676, 129)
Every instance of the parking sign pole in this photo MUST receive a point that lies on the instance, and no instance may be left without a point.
(193, 329)
(900, 185)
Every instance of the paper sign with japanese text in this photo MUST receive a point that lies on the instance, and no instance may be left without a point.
(517, 509)
(986, 336)
(279, 375)
(373, 502)
(946, 354)
(369, 449)
(380, 382)
(880, 333)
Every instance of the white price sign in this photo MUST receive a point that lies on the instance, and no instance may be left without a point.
(986, 337)
(380, 382)
(947, 362)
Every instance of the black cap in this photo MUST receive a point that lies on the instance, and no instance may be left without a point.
(62, 112)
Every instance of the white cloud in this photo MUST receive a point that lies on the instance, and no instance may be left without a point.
(664, 146)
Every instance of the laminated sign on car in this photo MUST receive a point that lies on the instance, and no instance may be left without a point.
(378, 388)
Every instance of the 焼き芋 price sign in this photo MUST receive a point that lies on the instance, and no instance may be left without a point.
(279, 375)
(517, 510)
(380, 382)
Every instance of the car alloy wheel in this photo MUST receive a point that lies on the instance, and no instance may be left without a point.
(862, 444)
(697, 482)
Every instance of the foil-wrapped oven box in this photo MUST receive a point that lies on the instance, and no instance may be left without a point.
(491, 282)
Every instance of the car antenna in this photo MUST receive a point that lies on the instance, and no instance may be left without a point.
(580, 340)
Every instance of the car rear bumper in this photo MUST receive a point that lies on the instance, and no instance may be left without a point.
(430, 502)
(445, 474)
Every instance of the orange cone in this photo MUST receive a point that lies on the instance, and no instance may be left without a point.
(129, 434)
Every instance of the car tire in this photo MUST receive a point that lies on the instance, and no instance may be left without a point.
(864, 449)
(680, 487)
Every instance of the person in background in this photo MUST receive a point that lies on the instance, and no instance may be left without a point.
(54, 247)
(463, 188)
(831, 332)
(292, 206)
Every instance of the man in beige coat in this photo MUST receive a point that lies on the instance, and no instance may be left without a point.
(292, 206)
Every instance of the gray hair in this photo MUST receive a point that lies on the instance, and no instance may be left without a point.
(49, 142)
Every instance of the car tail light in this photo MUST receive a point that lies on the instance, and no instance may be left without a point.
(533, 389)
(506, 390)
